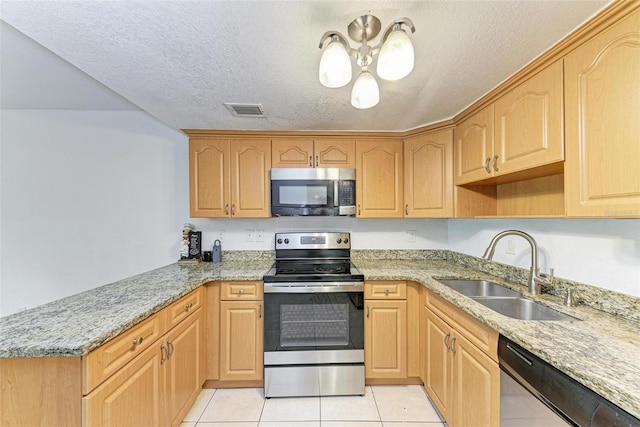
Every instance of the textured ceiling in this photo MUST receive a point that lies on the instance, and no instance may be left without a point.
(181, 60)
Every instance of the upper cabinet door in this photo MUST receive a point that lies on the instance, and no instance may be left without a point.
(379, 179)
(250, 184)
(602, 84)
(209, 177)
(473, 147)
(292, 153)
(428, 175)
(334, 153)
(528, 124)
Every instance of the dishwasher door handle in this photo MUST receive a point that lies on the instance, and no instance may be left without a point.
(520, 355)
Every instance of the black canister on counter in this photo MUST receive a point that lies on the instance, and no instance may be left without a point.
(195, 245)
(216, 251)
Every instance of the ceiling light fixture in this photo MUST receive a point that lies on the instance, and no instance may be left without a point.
(395, 57)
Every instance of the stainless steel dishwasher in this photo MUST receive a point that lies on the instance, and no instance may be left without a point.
(534, 393)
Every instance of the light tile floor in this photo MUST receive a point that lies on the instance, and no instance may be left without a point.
(381, 406)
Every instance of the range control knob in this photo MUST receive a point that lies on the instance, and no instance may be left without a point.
(339, 240)
(279, 241)
(346, 240)
(286, 241)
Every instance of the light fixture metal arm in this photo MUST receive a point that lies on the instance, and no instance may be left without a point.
(339, 37)
(393, 26)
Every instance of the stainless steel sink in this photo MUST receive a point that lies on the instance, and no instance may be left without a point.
(479, 288)
(520, 308)
(503, 300)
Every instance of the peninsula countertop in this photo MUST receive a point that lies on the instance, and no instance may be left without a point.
(600, 350)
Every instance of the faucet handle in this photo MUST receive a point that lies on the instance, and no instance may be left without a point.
(545, 279)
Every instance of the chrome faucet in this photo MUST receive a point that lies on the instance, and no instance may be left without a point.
(536, 279)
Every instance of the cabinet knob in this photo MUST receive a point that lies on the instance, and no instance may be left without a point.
(486, 164)
(386, 291)
(188, 306)
(137, 341)
(241, 291)
(495, 163)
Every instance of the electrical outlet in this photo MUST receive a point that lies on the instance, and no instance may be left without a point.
(259, 235)
(511, 247)
(249, 235)
(220, 236)
(411, 236)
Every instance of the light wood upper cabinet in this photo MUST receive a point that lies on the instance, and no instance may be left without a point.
(528, 124)
(473, 145)
(229, 177)
(379, 178)
(209, 188)
(428, 175)
(602, 84)
(522, 130)
(316, 152)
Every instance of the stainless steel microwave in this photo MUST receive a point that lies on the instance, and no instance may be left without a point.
(313, 191)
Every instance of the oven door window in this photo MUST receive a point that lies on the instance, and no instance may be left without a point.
(314, 321)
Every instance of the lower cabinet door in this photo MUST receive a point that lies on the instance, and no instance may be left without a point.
(184, 366)
(437, 369)
(385, 339)
(476, 386)
(241, 340)
(133, 397)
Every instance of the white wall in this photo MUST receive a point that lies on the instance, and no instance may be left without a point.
(87, 197)
(600, 252)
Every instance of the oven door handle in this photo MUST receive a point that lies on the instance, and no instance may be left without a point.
(309, 288)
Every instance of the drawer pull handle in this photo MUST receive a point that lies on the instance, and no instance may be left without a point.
(406, 209)
(259, 311)
(165, 354)
(172, 349)
(359, 210)
(241, 291)
(367, 310)
(446, 344)
(453, 340)
(386, 291)
(226, 209)
(233, 209)
(495, 163)
(137, 341)
(486, 164)
(317, 161)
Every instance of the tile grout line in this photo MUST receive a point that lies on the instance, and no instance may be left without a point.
(215, 390)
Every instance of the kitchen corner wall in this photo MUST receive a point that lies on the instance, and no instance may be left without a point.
(87, 198)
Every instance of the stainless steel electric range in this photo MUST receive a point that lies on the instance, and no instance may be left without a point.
(314, 317)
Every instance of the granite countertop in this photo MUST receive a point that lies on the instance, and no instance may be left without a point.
(601, 350)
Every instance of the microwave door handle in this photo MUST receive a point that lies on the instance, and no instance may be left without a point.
(336, 198)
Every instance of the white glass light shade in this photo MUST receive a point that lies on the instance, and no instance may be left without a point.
(365, 92)
(396, 58)
(335, 66)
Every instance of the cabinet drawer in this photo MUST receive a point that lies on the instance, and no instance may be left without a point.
(104, 361)
(241, 291)
(184, 307)
(481, 335)
(385, 289)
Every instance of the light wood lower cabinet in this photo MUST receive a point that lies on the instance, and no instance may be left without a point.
(391, 331)
(241, 335)
(462, 379)
(235, 334)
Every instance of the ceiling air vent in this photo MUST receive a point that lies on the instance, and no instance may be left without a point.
(246, 110)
